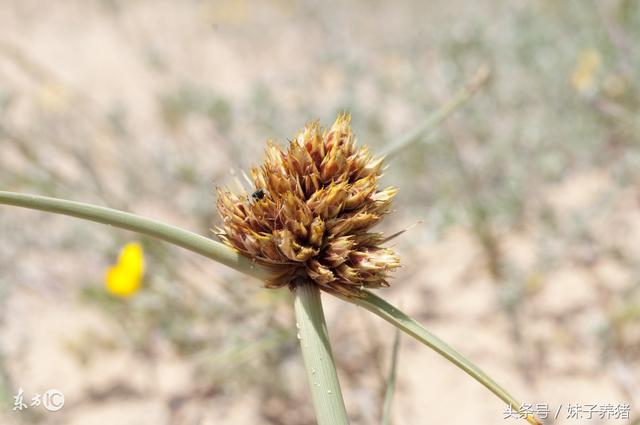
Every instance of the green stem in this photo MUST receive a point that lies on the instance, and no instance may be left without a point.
(433, 121)
(397, 318)
(175, 235)
(318, 358)
(391, 380)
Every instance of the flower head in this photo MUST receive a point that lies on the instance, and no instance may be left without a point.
(310, 214)
(125, 277)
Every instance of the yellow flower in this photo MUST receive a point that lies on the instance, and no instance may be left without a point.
(583, 78)
(125, 278)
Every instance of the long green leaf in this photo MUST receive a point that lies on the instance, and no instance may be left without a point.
(434, 120)
(402, 321)
(391, 380)
(172, 234)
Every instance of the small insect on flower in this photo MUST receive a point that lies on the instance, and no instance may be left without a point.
(125, 277)
(317, 203)
(258, 194)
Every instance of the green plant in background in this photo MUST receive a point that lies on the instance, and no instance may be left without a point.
(305, 227)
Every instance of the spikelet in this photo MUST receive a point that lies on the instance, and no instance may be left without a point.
(311, 212)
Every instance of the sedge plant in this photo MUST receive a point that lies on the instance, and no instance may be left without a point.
(305, 223)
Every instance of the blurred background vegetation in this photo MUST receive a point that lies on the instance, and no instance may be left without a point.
(526, 257)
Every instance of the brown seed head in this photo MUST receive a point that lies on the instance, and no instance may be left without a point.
(311, 212)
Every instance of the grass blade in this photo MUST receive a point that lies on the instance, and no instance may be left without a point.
(391, 380)
(432, 122)
(397, 318)
(172, 234)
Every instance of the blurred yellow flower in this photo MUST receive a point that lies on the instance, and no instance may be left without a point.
(583, 78)
(125, 278)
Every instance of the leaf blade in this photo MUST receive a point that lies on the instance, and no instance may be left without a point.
(402, 321)
(391, 380)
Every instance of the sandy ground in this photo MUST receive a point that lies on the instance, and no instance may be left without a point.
(146, 105)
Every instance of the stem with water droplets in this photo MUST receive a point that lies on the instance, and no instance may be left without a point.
(318, 358)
